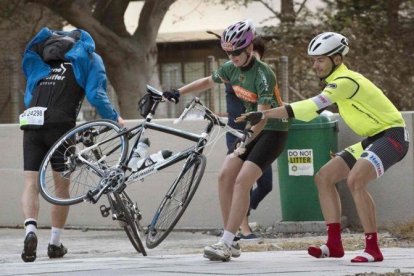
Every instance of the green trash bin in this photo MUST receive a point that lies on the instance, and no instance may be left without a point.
(308, 148)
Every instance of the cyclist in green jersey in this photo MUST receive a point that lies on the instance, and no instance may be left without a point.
(369, 113)
(255, 84)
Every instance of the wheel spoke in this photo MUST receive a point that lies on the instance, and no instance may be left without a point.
(129, 216)
(176, 201)
(64, 179)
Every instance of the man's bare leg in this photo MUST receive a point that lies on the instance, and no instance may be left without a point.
(326, 178)
(361, 174)
(30, 208)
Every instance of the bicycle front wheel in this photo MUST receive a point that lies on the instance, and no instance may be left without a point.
(176, 200)
(128, 215)
(64, 178)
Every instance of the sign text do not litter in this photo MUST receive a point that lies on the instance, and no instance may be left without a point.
(300, 162)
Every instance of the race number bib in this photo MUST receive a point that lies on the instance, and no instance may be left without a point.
(33, 116)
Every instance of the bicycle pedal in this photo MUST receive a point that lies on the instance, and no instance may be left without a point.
(104, 210)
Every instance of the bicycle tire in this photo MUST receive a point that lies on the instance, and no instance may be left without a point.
(129, 220)
(176, 201)
(62, 165)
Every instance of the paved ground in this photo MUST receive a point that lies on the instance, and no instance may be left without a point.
(109, 253)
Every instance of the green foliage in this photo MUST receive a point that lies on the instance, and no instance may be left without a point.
(370, 14)
(381, 45)
(381, 41)
(22, 16)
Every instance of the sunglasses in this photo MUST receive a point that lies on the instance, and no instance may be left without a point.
(235, 53)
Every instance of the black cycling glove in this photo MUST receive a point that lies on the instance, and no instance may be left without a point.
(173, 95)
(254, 117)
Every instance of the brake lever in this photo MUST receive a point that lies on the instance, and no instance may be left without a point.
(247, 132)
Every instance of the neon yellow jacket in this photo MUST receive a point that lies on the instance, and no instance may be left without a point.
(362, 105)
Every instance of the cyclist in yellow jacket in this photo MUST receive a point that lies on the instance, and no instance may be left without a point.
(369, 113)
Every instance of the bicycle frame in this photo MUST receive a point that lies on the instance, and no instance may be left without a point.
(200, 139)
(137, 131)
(177, 157)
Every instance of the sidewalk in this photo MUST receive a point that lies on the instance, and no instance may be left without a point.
(110, 253)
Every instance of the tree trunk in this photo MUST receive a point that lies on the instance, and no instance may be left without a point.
(287, 12)
(129, 59)
(129, 78)
(24, 20)
(130, 68)
(393, 7)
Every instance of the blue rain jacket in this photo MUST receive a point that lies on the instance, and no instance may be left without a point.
(88, 68)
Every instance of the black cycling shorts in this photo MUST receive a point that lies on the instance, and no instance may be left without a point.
(383, 149)
(265, 148)
(36, 144)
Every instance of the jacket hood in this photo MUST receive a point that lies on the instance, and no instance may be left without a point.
(82, 37)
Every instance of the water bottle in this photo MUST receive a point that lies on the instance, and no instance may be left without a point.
(140, 154)
(156, 157)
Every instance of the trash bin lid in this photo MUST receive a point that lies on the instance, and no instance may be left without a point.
(322, 121)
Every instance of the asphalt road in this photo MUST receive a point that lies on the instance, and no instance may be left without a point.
(110, 253)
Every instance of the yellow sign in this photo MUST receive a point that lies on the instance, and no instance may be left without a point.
(300, 162)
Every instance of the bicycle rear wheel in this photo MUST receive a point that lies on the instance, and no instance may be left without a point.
(176, 200)
(64, 179)
(127, 213)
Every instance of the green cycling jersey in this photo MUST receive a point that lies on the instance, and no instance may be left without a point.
(253, 85)
(362, 105)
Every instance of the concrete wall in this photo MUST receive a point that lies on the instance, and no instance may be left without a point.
(393, 193)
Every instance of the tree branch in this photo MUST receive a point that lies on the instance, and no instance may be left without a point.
(277, 14)
(100, 9)
(150, 19)
(83, 19)
(111, 14)
(301, 7)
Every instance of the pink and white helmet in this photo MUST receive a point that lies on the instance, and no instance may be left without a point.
(238, 36)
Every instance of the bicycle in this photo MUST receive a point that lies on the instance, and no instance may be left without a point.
(93, 157)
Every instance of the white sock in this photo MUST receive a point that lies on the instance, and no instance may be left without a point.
(227, 238)
(55, 235)
(30, 225)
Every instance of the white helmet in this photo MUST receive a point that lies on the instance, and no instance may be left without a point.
(328, 44)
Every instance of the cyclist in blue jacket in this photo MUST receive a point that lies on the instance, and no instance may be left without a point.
(60, 68)
(88, 69)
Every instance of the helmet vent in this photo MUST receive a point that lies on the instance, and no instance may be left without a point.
(241, 42)
(316, 47)
(238, 36)
(327, 36)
